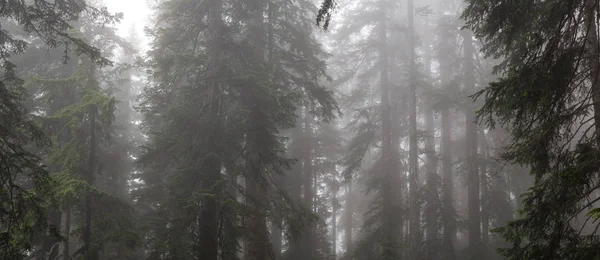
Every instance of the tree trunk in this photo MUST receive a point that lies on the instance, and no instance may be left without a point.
(431, 193)
(593, 62)
(485, 196)
(390, 243)
(208, 246)
(334, 223)
(474, 217)
(257, 246)
(308, 179)
(448, 214)
(65, 229)
(415, 209)
(90, 251)
(294, 178)
(348, 221)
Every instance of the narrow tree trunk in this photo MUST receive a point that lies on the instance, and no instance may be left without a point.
(309, 232)
(334, 211)
(448, 213)
(89, 197)
(348, 221)
(415, 209)
(474, 217)
(593, 62)
(295, 183)
(485, 197)
(431, 193)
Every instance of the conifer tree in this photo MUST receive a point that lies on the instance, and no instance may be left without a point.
(550, 59)
(25, 214)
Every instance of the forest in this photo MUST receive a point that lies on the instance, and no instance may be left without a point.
(300, 130)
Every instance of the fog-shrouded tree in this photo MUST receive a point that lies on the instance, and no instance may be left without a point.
(24, 179)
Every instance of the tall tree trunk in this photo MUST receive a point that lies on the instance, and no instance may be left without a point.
(390, 243)
(48, 248)
(294, 178)
(65, 229)
(485, 196)
(208, 245)
(348, 221)
(591, 7)
(431, 193)
(448, 213)
(500, 191)
(415, 209)
(257, 246)
(308, 235)
(229, 221)
(334, 211)
(276, 237)
(90, 251)
(474, 217)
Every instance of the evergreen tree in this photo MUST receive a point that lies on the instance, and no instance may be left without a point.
(25, 182)
(550, 64)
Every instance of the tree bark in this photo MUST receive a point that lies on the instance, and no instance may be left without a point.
(431, 193)
(257, 246)
(485, 195)
(474, 217)
(208, 245)
(295, 183)
(308, 179)
(334, 223)
(593, 62)
(90, 251)
(390, 242)
(348, 221)
(65, 229)
(415, 208)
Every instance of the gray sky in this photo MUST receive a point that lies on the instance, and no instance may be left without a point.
(135, 13)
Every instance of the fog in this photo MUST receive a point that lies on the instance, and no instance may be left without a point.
(299, 129)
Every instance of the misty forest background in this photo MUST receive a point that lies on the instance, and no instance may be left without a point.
(301, 130)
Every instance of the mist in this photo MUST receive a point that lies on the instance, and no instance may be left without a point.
(299, 130)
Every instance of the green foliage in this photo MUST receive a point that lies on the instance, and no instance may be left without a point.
(542, 98)
(22, 175)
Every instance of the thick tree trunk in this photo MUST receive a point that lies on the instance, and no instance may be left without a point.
(415, 208)
(65, 229)
(208, 245)
(276, 237)
(390, 241)
(448, 212)
(474, 217)
(257, 246)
